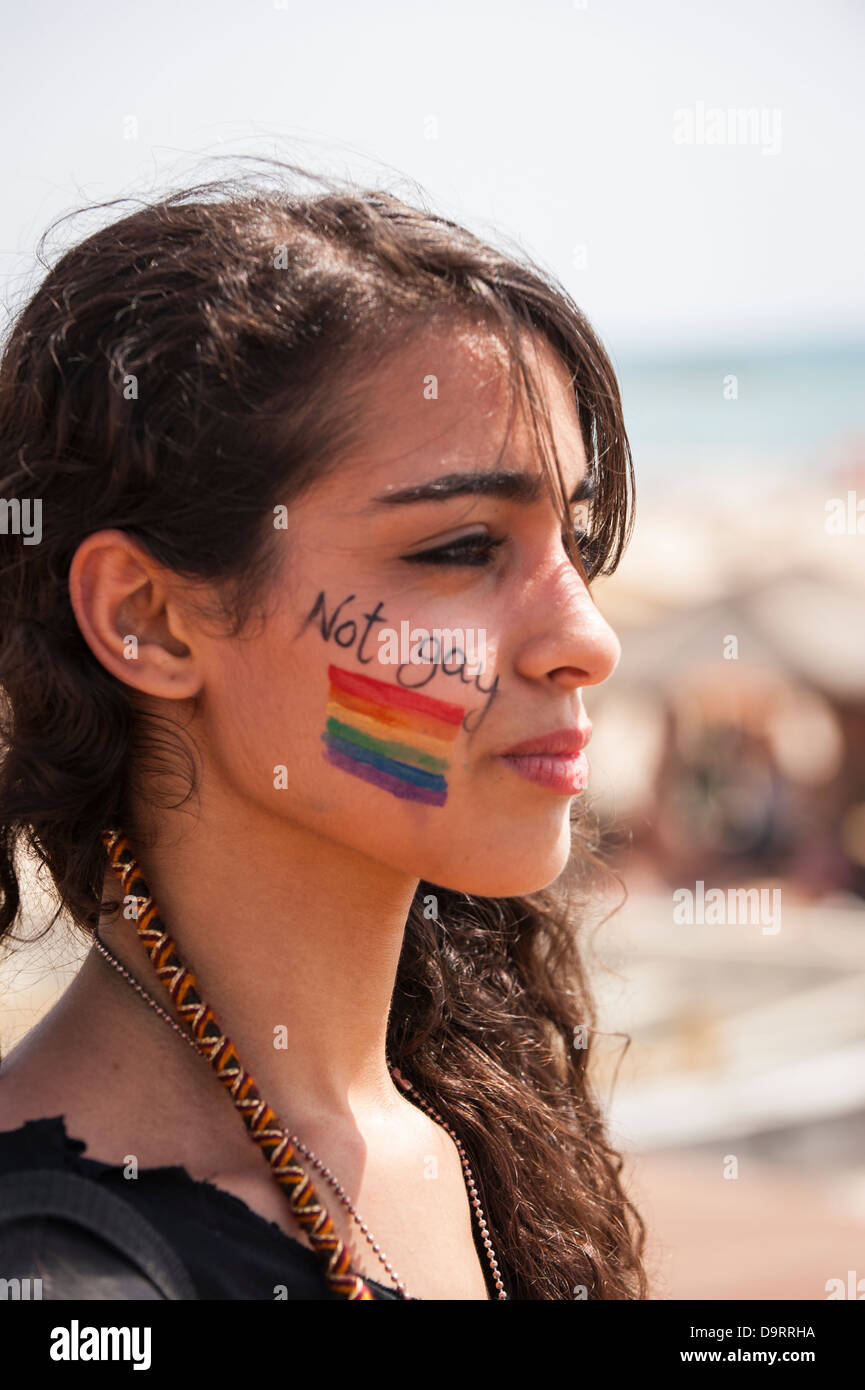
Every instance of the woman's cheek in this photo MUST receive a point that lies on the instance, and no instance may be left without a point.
(397, 739)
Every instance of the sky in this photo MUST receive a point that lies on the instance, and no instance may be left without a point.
(583, 133)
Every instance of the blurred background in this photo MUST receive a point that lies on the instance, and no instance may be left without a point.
(692, 173)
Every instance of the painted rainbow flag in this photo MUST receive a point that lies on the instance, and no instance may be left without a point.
(394, 738)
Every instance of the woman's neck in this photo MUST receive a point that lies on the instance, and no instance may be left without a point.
(294, 941)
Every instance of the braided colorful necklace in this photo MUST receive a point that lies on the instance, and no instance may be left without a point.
(276, 1144)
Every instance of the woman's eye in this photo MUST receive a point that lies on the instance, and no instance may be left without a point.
(468, 550)
(475, 550)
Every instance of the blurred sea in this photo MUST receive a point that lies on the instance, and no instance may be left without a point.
(785, 412)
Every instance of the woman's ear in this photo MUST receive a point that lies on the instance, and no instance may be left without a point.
(131, 617)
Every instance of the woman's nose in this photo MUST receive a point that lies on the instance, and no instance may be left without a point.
(566, 640)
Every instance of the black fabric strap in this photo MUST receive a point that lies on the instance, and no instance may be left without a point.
(58, 1193)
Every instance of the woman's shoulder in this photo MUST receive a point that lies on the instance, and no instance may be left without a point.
(33, 1119)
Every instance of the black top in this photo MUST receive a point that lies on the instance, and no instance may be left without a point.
(228, 1250)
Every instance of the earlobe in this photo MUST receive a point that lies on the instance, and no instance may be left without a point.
(125, 613)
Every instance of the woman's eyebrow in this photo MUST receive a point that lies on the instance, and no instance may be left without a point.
(510, 485)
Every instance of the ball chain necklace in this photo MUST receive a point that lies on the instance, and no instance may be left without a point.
(277, 1145)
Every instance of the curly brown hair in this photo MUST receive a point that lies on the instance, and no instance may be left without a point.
(250, 312)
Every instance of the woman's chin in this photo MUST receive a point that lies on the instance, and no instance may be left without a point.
(503, 875)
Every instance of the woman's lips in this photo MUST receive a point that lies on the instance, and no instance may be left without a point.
(565, 773)
(554, 760)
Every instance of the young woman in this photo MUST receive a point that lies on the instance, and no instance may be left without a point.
(294, 719)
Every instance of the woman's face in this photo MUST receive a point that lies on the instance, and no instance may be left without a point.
(323, 720)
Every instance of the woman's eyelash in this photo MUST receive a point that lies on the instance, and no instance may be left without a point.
(472, 550)
(469, 550)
